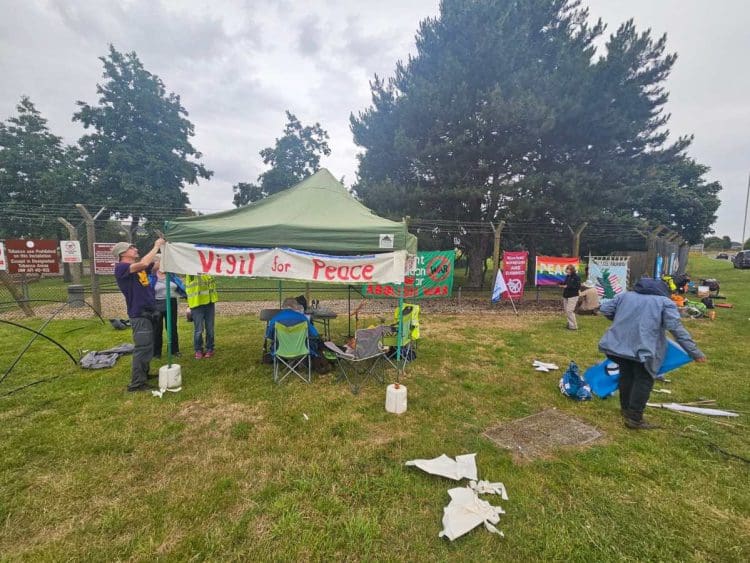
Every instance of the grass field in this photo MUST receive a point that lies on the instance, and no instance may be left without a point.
(237, 468)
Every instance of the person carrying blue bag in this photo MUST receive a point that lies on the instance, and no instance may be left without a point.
(637, 342)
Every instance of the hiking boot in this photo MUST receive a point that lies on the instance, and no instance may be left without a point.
(209, 354)
(639, 424)
(141, 388)
(199, 355)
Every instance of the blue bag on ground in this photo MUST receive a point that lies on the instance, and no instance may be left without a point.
(604, 378)
(572, 384)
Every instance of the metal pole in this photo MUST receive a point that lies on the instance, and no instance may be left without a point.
(744, 221)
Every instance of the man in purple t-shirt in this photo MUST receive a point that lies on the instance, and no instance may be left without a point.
(131, 273)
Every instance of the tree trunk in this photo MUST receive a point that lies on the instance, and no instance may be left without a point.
(478, 252)
(7, 281)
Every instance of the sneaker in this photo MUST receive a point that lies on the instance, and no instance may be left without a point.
(639, 424)
(199, 355)
(209, 354)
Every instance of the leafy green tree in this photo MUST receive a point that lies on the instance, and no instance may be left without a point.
(295, 156)
(506, 113)
(38, 176)
(139, 157)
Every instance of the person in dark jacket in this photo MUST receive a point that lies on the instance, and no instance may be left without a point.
(571, 286)
(637, 343)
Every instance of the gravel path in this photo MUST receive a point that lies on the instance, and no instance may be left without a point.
(113, 306)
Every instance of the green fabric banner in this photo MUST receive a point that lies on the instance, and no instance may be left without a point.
(431, 277)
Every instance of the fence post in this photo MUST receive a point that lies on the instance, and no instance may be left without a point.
(7, 281)
(75, 269)
(576, 246)
(652, 251)
(96, 298)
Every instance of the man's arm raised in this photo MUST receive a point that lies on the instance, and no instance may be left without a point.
(144, 262)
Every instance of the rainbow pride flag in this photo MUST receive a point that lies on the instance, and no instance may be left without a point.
(550, 270)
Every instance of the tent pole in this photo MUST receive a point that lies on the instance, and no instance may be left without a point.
(279, 294)
(349, 306)
(169, 320)
(400, 330)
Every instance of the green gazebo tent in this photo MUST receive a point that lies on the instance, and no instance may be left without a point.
(318, 214)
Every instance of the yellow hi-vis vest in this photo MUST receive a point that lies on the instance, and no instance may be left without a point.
(201, 290)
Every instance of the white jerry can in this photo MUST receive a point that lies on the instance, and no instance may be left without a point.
(170, 377)
(395, 398)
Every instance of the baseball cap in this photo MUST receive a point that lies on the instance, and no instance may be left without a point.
(119, 248)
(589, 283)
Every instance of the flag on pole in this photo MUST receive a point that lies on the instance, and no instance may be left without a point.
(501, 288)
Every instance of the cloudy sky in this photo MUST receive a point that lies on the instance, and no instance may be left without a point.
(239, 64)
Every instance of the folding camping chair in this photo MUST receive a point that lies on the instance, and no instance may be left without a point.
(409, 336)
(291, 349)
(364, 361)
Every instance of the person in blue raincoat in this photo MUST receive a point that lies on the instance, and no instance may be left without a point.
(637, 342)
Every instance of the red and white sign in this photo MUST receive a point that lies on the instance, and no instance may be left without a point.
(3, 260)
(70, 250)
(32, 256)
(514, 272)
(283, 263)
(104, 262)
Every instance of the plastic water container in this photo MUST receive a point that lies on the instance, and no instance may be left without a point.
(395, 398)
(170, 377)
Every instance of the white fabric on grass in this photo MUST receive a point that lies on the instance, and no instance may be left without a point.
(464, 466)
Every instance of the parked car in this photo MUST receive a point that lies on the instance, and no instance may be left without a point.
(742, 259)
(722, 256)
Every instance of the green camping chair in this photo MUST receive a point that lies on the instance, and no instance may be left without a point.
(291, 351)
(365, 360)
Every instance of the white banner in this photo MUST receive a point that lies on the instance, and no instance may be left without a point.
(3, 260)
(283, 263)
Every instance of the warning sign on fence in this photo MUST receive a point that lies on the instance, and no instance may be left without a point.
(32, 256)
(104, 262)
(71, 251)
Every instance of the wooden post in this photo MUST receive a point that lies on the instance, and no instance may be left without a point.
(497, 232)
(96, 298)
(75, 269)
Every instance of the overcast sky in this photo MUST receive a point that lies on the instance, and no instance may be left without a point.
(238, 64)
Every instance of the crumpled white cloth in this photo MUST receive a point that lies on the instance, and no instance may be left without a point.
(543, 366)
(465, 466)
(487, 488)
(466, 511)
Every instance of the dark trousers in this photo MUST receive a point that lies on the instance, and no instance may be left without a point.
(160, 323)
(143, 339)
(203, 317)
(635, 387)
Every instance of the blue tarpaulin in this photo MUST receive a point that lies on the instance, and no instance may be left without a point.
(603, 378)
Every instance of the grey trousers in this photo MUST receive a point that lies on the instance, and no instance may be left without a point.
(569, 306)
(143, 339)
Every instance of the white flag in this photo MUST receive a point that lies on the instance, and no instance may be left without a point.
(501, 288)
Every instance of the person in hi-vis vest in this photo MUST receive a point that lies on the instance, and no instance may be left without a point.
(201, 298)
